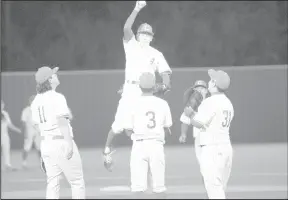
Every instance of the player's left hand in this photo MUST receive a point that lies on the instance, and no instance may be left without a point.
(108, 161)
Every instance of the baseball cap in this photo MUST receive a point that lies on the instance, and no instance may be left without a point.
(221, 78)
(200, 83)
(145, 28)
(147, 80)
(44, 73)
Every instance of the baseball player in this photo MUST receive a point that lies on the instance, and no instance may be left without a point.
(193, 97)
(50, 114)
(140, 58)
(149, 121)
(214, 118)
(31, 136)
(6, 124)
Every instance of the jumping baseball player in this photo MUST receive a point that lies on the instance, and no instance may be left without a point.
(140, 58)
(193, 97)
(6, 124)
(32, 136)
(59, 152)
(149, 121)
(214, 118)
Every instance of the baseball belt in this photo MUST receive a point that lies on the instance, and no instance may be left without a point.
(52, 137)
(132, 82)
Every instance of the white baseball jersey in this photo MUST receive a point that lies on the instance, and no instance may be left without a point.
(141, 59)
(149, 117)
(26, 117)
(46, 109)
(216, 112)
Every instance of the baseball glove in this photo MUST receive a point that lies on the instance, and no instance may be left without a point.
(160, 89)
(108, 161)
(192, 98)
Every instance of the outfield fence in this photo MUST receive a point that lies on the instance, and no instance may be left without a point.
(258, 93)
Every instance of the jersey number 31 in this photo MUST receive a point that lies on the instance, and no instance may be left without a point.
(227, 119)
(41, 114)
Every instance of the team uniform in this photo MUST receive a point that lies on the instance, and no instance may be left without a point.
(5, 138)
(46, 108)
(148, 119)
(32, 136)
(139, 59)
(213, 144)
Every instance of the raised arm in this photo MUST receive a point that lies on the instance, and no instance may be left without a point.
(128, 32)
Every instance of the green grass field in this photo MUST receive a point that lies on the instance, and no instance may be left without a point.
(259, 171)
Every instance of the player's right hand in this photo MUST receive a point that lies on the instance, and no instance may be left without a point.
(182, 139)
(69, 151)
(18, 130)
(139, 5)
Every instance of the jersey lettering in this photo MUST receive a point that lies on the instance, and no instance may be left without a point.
(41, 114)
(227, 119)
(152, 122)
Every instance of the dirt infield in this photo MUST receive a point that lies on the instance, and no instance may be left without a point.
(259, 171)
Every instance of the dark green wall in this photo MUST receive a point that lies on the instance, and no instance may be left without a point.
(259, 96)
(78, 35)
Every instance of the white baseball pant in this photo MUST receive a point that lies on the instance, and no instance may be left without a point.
(5, 146)
(53, 154)
(130, 93)
(215, 166)
(147, 154)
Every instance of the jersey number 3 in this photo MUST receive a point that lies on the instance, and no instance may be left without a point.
(41, 114)
(152, 123)
(227, 119)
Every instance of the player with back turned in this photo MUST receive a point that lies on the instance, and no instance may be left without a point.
(214, 118)
(148, 123)
(140, 58)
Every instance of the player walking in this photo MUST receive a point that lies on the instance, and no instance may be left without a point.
(32, 136)
(59, 152)
(148, 122)
(214, 118)
(6, 123)
(140, 58)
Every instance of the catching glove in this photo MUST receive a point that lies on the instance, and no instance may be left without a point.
(160, 89)
(192, 98)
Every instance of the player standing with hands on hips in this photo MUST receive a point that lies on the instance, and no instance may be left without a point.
(214, 117)
(149, 121)
(140, 58)
(6, 124)
(59, 152)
